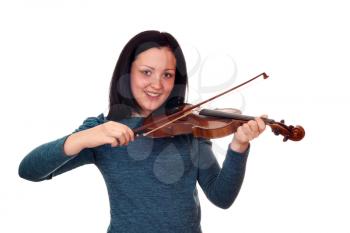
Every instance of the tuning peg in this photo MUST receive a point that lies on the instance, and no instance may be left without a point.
(285, 138)
(276, 132)
(282, 121)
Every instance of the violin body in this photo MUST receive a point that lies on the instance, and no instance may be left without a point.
(198, 125)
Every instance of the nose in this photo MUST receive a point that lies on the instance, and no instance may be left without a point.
(156, 82)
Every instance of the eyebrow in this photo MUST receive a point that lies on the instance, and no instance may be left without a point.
(154, 68)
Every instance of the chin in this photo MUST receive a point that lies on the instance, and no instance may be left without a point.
(151, 106)
(152, 109)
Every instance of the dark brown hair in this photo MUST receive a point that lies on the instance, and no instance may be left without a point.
(121, 100)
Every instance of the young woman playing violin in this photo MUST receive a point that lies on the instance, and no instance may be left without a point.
(151, 182)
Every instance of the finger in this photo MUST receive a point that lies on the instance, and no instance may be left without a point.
(241, 136)
(252, 133)
(118, 142)
(126, 135)
(121, 138)
(254, 128)
(114, 142)
(261, 124)
(131, 133)
(247, 131)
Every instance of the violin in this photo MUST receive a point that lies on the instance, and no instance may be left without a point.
(210, 124)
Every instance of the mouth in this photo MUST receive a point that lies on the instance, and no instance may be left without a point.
(152, 95)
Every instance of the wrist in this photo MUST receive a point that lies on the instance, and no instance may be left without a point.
(82, 139)
(239, 147)
(74, 144)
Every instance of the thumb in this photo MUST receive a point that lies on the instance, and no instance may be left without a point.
(115, 142)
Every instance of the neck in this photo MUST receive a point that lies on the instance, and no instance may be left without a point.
(136, 114)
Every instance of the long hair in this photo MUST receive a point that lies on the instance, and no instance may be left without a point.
(121, 100)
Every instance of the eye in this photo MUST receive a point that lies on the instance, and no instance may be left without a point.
(146, 72)
(168, 75)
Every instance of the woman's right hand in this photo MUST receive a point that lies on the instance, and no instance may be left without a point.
(111, 132)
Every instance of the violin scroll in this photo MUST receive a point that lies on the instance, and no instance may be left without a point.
(294, 133)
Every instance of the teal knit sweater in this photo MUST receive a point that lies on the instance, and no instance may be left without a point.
(151, 183)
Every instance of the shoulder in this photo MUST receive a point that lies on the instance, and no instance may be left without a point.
(91, 122)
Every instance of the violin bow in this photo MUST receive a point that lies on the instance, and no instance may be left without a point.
(185, 112)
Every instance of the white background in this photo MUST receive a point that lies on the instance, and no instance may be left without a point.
(57, 59)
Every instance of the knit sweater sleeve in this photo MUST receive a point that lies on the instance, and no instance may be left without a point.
(49, 159)
(220, 185)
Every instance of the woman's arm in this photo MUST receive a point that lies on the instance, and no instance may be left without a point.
(58, 156)
(220, 185)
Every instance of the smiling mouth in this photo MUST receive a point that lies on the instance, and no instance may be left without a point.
(152, 94)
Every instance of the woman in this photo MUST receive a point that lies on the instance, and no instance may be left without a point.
(151, 182)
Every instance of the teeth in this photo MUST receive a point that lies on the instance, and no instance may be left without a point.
(153, 94)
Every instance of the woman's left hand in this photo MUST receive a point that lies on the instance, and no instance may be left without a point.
(247, 132)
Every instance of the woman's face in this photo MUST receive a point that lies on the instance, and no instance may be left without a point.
(152, 78)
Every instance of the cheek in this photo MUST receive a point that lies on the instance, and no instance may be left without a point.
(168, 85)
(132, 86)
(136, 83)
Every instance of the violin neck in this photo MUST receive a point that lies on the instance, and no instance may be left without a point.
(221, 114)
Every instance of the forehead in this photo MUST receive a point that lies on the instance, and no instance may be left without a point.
(156, 57)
